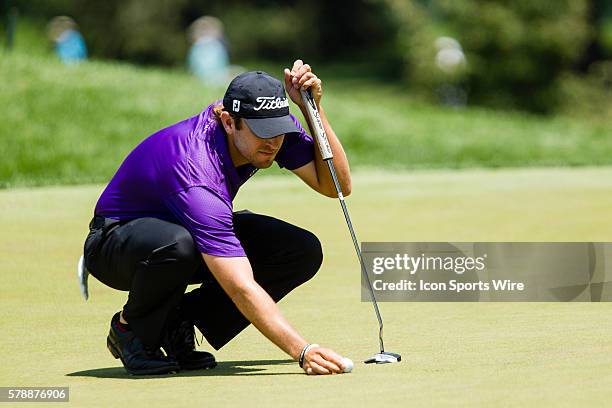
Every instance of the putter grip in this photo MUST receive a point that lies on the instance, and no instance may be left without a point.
(315, 119)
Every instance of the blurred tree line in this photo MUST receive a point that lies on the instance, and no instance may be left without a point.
(526, 54)
(518, 54)
(153, 31)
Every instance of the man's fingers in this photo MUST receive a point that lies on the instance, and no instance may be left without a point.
(306, 77)
(309, 80)
(287, 78)
(313, 82)
(304, 69)
(317, 369)
(312, 368)
(325, 358)
(298, 71)
(332, 357)
(296, 65)
(329, 365)
(320, 360)
(302, 77)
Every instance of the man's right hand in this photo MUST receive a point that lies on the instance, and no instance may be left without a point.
(321, 361)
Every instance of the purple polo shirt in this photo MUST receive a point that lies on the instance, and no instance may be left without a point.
(184, 174)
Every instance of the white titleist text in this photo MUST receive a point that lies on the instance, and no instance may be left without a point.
(270, 102)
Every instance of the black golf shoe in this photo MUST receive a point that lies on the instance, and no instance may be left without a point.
(137, 359)
(179, 343)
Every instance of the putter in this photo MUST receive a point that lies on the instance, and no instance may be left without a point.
(83, 275)
(326, 153)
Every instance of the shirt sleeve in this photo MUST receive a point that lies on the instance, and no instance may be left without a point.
(209, 218)
(297, 149)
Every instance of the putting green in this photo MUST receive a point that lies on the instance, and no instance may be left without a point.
(487, 354)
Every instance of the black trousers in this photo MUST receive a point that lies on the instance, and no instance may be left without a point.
(155, 260)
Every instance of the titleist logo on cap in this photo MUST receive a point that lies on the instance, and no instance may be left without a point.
(261, 101)
(270, 102)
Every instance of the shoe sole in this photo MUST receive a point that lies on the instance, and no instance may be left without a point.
(148, 371)
(207, 366)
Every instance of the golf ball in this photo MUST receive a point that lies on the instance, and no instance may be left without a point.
(347, 364)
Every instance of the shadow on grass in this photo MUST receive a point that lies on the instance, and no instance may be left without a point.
(223, 368)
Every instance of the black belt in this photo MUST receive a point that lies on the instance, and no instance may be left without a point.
(99, 222)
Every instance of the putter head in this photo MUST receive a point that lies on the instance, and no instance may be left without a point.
(83, 275)
(384, 357)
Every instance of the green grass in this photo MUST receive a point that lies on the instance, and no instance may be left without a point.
(466, 354)
(70, 125)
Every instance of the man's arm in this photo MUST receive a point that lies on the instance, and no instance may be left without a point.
(235, 276)
(316, 174)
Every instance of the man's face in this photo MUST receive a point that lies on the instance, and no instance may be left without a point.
(257, 151)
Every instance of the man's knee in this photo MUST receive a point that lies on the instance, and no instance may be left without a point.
(184, 248)
(312, 255)
(179, 250)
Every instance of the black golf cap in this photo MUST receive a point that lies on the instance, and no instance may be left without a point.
(261, 101)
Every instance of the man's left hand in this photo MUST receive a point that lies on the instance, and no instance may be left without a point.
(301, 77)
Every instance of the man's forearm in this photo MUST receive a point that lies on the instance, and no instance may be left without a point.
(340, 160)
(235, 276)
(259, 308)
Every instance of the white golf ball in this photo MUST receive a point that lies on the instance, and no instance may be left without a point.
(347, 363)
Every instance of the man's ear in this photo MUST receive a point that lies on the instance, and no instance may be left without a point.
(227, 121)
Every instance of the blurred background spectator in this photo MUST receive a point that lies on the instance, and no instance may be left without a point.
(450, 59)
(9, 20)
(208, 58)
(69, 43)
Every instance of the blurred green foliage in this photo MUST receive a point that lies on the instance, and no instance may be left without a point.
(516, 51)
(153, 31)
(516, 54)
(76, 124)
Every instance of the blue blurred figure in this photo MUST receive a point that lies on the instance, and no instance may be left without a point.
(69, 43)
(208, 58)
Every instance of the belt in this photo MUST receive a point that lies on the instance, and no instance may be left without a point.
(105, 224)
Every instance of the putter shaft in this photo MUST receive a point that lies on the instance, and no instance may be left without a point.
(332, 170)
(327, 155)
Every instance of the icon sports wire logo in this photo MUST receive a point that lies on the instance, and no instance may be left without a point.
(414, 264)
(488, 271)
